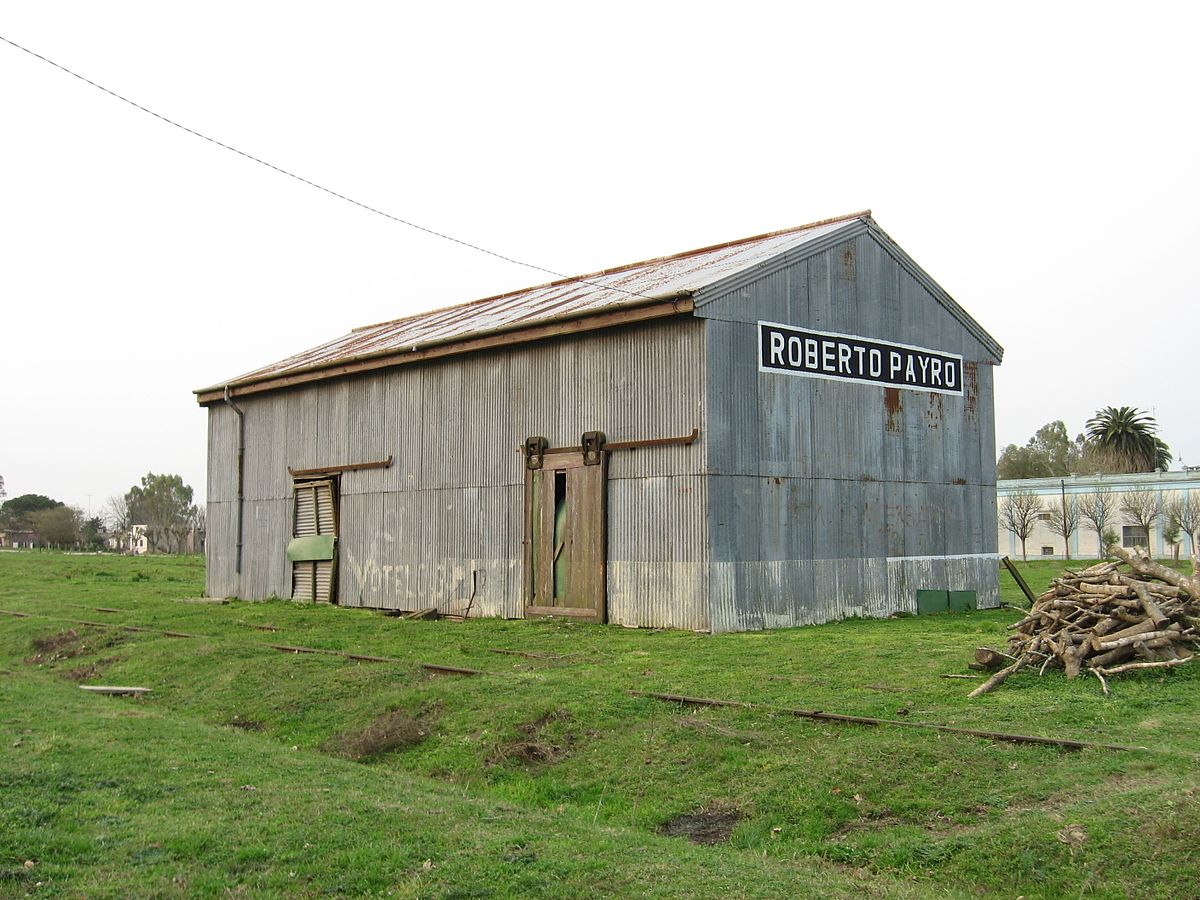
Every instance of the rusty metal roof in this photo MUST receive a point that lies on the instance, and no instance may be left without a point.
(664, 278)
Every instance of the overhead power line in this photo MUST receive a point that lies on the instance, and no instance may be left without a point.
(320, 187)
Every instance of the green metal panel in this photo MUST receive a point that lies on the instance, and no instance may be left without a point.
(315, 546)
(932, 602)
(961, 601)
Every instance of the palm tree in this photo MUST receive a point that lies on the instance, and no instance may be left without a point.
(1126, 437)
(1162, 455)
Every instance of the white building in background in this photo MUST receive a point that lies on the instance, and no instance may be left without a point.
(138, 543)
(1085, 543)
(132, 542)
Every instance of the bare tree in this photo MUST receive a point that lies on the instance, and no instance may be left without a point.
(1183, 512)
(1019, 513)
(1099, 510)
(1064, 521)
(1143, 508)
(117, 514)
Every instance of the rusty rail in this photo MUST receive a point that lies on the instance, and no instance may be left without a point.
(823, 716)
(334, 470)
(363, 657)
(682, 440)
(449, 670)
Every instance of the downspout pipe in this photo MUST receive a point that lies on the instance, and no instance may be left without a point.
(241, 481)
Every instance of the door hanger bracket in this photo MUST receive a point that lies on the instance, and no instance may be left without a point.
(535, 449)
(593, 447)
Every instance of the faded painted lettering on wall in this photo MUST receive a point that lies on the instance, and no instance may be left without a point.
(846, 357)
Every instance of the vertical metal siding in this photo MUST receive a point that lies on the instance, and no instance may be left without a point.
(657, 565)
(447, 514)
(858, 496)
(266, 429)
(267, 528)
(367, 433)
(333, 403)
(733, 421)
(987, 425)
(222, 443)
(220, 578)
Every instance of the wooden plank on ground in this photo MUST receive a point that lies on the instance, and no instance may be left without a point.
(449, 670)
(867, 720)
(569, 612)
(429, 612)
(288, 648)
(140, 628)
(1012, 570)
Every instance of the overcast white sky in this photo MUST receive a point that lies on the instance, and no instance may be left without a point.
(1038, 160)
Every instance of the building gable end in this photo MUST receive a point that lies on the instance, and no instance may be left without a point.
(726, 286)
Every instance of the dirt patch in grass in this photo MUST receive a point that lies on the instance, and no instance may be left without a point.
(80, 674)
(394, 730)
(537, 742)
(245, 724)
(55, 647)
(935, 822)
(63, 645)
(712, 825)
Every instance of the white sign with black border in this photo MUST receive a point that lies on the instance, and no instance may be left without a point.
(788, 350)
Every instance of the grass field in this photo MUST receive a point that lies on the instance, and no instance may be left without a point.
(257, 772)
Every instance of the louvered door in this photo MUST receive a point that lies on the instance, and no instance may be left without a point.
(314, 561)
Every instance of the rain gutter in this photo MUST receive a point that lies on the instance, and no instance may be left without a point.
(241, 469)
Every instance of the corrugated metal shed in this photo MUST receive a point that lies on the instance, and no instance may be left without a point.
(804, 499)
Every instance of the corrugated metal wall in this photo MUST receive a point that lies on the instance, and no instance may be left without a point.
(830, 498)
(447, 515)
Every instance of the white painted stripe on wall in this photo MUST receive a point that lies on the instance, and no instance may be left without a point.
(995, 556)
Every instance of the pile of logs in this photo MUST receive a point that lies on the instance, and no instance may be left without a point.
(1111, 618)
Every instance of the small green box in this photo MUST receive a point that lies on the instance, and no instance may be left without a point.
(961, 601)
(932, 602)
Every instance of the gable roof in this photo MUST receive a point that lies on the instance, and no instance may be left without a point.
(634, 292)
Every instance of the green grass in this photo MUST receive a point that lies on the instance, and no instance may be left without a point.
(545, 777)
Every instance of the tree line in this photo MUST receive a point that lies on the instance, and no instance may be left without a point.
(162, 504)
(1102, 510)
(1116, 440)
